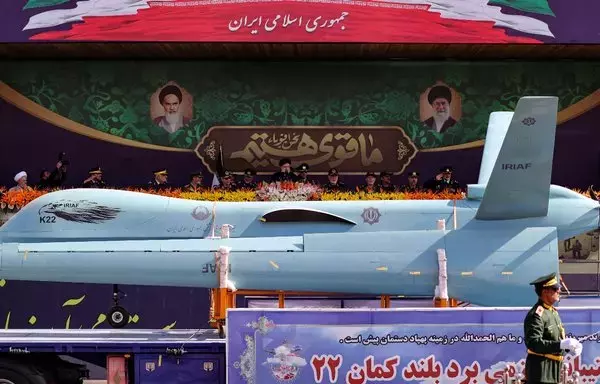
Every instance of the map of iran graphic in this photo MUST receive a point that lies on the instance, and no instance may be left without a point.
(367, 21)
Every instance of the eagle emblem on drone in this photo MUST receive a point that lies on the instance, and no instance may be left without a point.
(81, 211)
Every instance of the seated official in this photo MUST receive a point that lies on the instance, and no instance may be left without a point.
(248, 182)
(21, 180)
(227, 183)
(160, 180)
(195, 184)
(386, 182)
(285, 172)
(334, 184)
(302, 174)
(413, 184)
(94, 179)
(370, 186)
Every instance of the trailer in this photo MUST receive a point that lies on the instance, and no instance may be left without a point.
(138, 356)
(121, 356)
(468, 345)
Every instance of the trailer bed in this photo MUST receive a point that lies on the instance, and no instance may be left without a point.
(109, 341)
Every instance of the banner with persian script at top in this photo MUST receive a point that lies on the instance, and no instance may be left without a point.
(350, 21)
(463, 345)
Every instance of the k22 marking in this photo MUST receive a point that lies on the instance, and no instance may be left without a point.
(47, 219)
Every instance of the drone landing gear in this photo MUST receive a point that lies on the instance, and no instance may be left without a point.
(221, 330)
(118, 317)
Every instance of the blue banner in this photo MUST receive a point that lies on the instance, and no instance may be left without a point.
(463, 345)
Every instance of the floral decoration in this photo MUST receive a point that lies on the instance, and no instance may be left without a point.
(288, 191)
(15, 200)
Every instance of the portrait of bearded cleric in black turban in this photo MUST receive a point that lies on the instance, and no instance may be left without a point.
(171, 107)
(440, 108)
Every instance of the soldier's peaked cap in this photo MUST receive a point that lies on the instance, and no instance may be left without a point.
(548, 281)
(303, 167)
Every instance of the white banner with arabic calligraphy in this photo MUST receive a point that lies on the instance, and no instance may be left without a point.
(450, 346)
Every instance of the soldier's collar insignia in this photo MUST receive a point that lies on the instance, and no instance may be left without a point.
(548, 306)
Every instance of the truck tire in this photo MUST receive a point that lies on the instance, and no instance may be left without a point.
(8, 376)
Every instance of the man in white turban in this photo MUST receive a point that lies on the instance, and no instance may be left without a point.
(21, 180)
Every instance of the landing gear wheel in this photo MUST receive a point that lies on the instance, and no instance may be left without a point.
(118, 317)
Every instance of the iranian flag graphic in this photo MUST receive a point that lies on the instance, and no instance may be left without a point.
(361, 21)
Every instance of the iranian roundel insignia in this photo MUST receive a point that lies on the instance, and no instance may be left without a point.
(371, 215)
(528, 121)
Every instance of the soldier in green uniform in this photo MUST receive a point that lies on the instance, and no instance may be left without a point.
(545, 334)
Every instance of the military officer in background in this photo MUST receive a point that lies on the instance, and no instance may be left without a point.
(227, 182)
(413, 184)
(545, 335)
(370, 186)
(386, 185)
(302, 174)
(160, 179)
(248, 182)
(443, 182)
(333, 182)
(94, 179)
(195, 184)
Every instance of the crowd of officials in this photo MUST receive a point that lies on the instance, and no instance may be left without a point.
(545, 336)
(443, 181)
